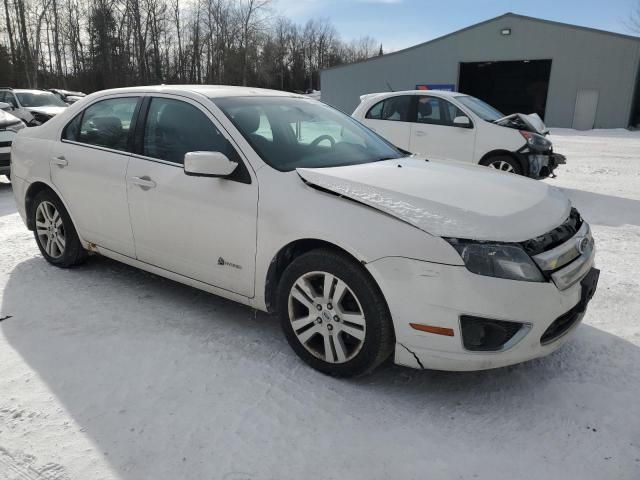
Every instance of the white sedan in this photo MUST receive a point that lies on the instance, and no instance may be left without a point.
(282, 203)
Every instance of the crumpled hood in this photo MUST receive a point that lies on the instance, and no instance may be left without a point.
(51, 111)
(449, 199)
(532, 122)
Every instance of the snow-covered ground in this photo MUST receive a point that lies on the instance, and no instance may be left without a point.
(107, 372)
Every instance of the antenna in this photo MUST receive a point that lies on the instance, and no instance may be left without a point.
(390, 89)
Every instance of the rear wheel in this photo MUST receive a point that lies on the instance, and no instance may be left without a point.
(54, 232)
(503, 163)
(334, 315)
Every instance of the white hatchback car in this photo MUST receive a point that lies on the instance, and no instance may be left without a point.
(454, 126)
(282, 203)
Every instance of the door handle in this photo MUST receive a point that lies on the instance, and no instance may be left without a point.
(60, 161)
(143, 182)
(420, 133)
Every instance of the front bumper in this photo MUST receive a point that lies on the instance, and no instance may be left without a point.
(438, 295)
(540, 164)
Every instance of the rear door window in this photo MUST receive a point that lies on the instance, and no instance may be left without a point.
(431, 110)
(105, 124)
(397, 109)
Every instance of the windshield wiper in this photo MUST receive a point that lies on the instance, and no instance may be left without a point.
(391, 157)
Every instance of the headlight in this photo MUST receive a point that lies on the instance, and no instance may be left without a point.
(535, 141)
(497, 260)
(16, 127)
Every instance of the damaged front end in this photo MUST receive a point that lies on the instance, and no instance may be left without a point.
(537, 153)
(529, 123)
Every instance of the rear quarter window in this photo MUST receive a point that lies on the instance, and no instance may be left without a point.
(72, 129)
(375, 112)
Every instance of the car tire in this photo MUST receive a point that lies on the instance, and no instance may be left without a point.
(54, 231)
(345, 333)
(504, 163)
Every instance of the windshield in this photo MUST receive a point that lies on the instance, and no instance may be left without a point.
(480, 108)
(290, 133)
(39, 99)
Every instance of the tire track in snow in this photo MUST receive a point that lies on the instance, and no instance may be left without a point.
(21, 467)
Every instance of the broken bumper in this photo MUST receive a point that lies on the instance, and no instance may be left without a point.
(441, 295)
(541, 165)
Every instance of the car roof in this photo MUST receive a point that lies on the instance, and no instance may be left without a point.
(29, 90)
(434, 93)
(210, 91)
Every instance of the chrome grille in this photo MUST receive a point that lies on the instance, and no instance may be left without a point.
(570, 261)
(555, 237)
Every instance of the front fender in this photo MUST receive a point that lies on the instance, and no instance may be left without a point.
(363, 232)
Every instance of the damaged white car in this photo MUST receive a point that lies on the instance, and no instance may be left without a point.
(287, 205)
(9, 127)
(454, 126)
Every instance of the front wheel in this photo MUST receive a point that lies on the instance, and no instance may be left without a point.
(334, 315)
(54, 231)
(503, 163)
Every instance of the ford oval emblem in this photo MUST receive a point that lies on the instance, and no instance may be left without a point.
(584, 245)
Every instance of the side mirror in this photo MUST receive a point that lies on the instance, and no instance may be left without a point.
(6, 106)
(208, 164)
(462, 122)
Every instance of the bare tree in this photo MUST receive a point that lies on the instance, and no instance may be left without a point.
(94, 44)
(252, 23)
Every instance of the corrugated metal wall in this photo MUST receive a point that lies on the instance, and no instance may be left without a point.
(582, 59)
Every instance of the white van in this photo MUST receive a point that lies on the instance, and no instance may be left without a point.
(455, 126)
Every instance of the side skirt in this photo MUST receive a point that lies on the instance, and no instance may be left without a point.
(173, 276)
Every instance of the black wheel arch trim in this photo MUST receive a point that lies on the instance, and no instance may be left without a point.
(34, 189)
(287, 254)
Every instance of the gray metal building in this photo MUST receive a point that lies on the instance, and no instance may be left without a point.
(572, 76)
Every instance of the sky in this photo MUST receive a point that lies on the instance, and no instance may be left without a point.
(399, 24)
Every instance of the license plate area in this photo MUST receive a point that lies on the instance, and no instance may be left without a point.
(565, 322)
(589, 285)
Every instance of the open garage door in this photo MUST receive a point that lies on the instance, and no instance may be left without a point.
(511, 87)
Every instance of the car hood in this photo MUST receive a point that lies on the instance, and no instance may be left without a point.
(531, 123)
(7, 119)
(51, 111)
(70, 99)
(449, 199)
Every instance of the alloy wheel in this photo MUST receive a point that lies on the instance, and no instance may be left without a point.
(326, 317)
(502, 165)
(50, 229)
